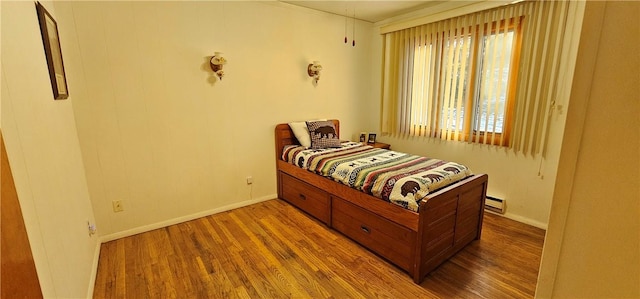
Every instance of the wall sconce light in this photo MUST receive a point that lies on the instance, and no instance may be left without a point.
(217, 61)
(314, 70)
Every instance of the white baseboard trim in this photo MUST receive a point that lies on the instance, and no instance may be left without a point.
(150, 227)
(521, 219)
(94, 269)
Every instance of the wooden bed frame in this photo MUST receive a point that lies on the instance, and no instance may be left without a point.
(450, 219)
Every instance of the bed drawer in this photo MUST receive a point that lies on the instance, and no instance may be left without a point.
(386, 238)
(306, 197)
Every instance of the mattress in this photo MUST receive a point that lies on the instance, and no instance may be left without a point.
(399, 178)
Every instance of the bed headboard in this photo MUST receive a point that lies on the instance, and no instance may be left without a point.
(284, 136)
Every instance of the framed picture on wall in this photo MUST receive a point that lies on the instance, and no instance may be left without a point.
(53, 52)
(372, 138)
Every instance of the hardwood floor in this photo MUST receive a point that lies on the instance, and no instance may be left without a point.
(272, 250)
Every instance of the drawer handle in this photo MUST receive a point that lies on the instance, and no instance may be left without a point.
(364, 229)
(303, 197)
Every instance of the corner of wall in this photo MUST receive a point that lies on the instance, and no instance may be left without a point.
(587, 26)
(94, 268)
(43, 149)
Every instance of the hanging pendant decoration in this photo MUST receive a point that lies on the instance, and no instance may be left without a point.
(346, 22)
(354, 28)
(345, 26)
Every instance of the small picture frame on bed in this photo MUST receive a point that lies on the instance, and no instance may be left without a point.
(372, 138)
(363, 137)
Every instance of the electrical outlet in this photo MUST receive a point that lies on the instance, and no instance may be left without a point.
(92, 228)
(249, 180)
(117, 206)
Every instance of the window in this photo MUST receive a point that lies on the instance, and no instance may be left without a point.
(490, 77)
(462, 83)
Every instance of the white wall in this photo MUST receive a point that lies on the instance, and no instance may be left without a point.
(592, 248)
(44, 153)
(156, 133)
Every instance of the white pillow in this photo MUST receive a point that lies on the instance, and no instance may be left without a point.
(301, 132)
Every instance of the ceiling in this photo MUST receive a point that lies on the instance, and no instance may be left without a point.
(370, 11)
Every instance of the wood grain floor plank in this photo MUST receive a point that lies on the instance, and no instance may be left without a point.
(275, 266)
(321, 251)
(272, 250)
(290, 262)
(316, 265)
(262, 266)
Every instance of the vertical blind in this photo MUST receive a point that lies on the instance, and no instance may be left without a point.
(488, 77)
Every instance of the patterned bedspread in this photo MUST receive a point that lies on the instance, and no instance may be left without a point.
(400, 178)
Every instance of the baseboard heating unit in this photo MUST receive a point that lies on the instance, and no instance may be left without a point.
(494, 204)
